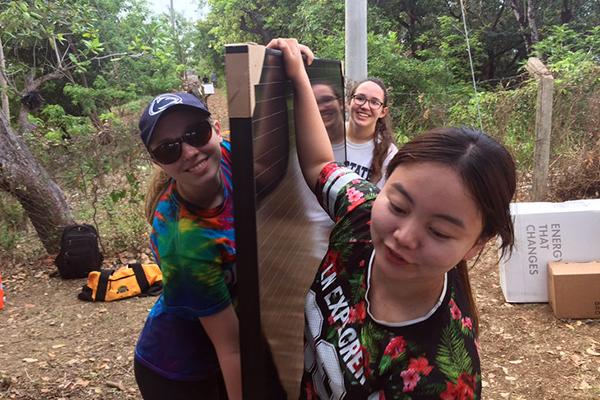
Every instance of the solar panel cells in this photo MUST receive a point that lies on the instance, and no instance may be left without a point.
(278, 248)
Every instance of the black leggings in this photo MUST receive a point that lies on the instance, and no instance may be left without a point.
(154, 386)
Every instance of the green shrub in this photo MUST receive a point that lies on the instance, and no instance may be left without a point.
(13, 228)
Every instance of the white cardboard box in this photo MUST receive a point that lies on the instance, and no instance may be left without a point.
(208, 88)
(544, 232)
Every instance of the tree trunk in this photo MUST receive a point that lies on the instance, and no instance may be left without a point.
(23, 120)
(489, 68)
(521, 16)
(4, 83)
(566, 14)
(412, 30)
(407, 18)
(532, 21)
(22, 176)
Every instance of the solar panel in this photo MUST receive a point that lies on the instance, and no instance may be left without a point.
(278, 248)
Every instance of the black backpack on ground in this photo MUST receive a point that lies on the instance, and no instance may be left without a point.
(79, 252)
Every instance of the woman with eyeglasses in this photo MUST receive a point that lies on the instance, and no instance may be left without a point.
(368, 148)
(189, 346)
(369, 142)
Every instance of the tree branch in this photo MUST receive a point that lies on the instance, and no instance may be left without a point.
(265, 35)
(138, 55)
(498, 15)
(36, 83)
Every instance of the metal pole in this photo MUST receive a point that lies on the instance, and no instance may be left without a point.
(356, 40)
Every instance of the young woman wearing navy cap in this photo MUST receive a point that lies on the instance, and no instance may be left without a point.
(189, 346)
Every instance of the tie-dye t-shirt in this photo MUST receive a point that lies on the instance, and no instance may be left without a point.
(195, 249)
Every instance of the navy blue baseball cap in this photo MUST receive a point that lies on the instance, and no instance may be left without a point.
(163, 102)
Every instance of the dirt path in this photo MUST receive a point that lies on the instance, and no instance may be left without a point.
(54, 346)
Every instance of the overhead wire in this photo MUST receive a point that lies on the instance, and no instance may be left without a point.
(464, 19)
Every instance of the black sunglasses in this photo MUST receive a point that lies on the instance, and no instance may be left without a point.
(169, 152)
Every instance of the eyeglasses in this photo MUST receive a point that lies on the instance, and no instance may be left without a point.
(169, 152)
(359, 100)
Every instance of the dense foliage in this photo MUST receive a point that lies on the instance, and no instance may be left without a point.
(73, 76)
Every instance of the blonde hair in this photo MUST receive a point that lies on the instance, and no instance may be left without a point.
(159, 180)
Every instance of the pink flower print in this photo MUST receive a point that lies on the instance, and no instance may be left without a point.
(420, 365)
(362, 264)
(358, 313)
(464, 389)
(331, 259)
(410, 378)
(395, 347)
(454, 310)
(381, 395)
(353, 195)
(361, 308)
(449, 393)
(326, 172)
(330, 320)
(467, 323)
(353, 316)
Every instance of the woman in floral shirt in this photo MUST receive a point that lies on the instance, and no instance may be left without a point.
(390, 314)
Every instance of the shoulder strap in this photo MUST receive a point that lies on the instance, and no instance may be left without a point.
(103, 284)
(138, 270)
(90, 228)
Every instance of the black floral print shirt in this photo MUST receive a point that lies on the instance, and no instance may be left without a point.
(349, 354)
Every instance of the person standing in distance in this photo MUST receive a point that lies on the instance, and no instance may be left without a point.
(370, 140)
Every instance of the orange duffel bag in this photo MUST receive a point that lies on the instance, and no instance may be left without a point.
(132, 280)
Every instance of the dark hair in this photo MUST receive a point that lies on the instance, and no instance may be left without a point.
(486, 168)
(333, 87)
(383, 133)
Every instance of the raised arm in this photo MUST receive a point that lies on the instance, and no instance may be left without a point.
(312, 142)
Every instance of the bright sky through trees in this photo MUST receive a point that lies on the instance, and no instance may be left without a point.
(189, 8)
